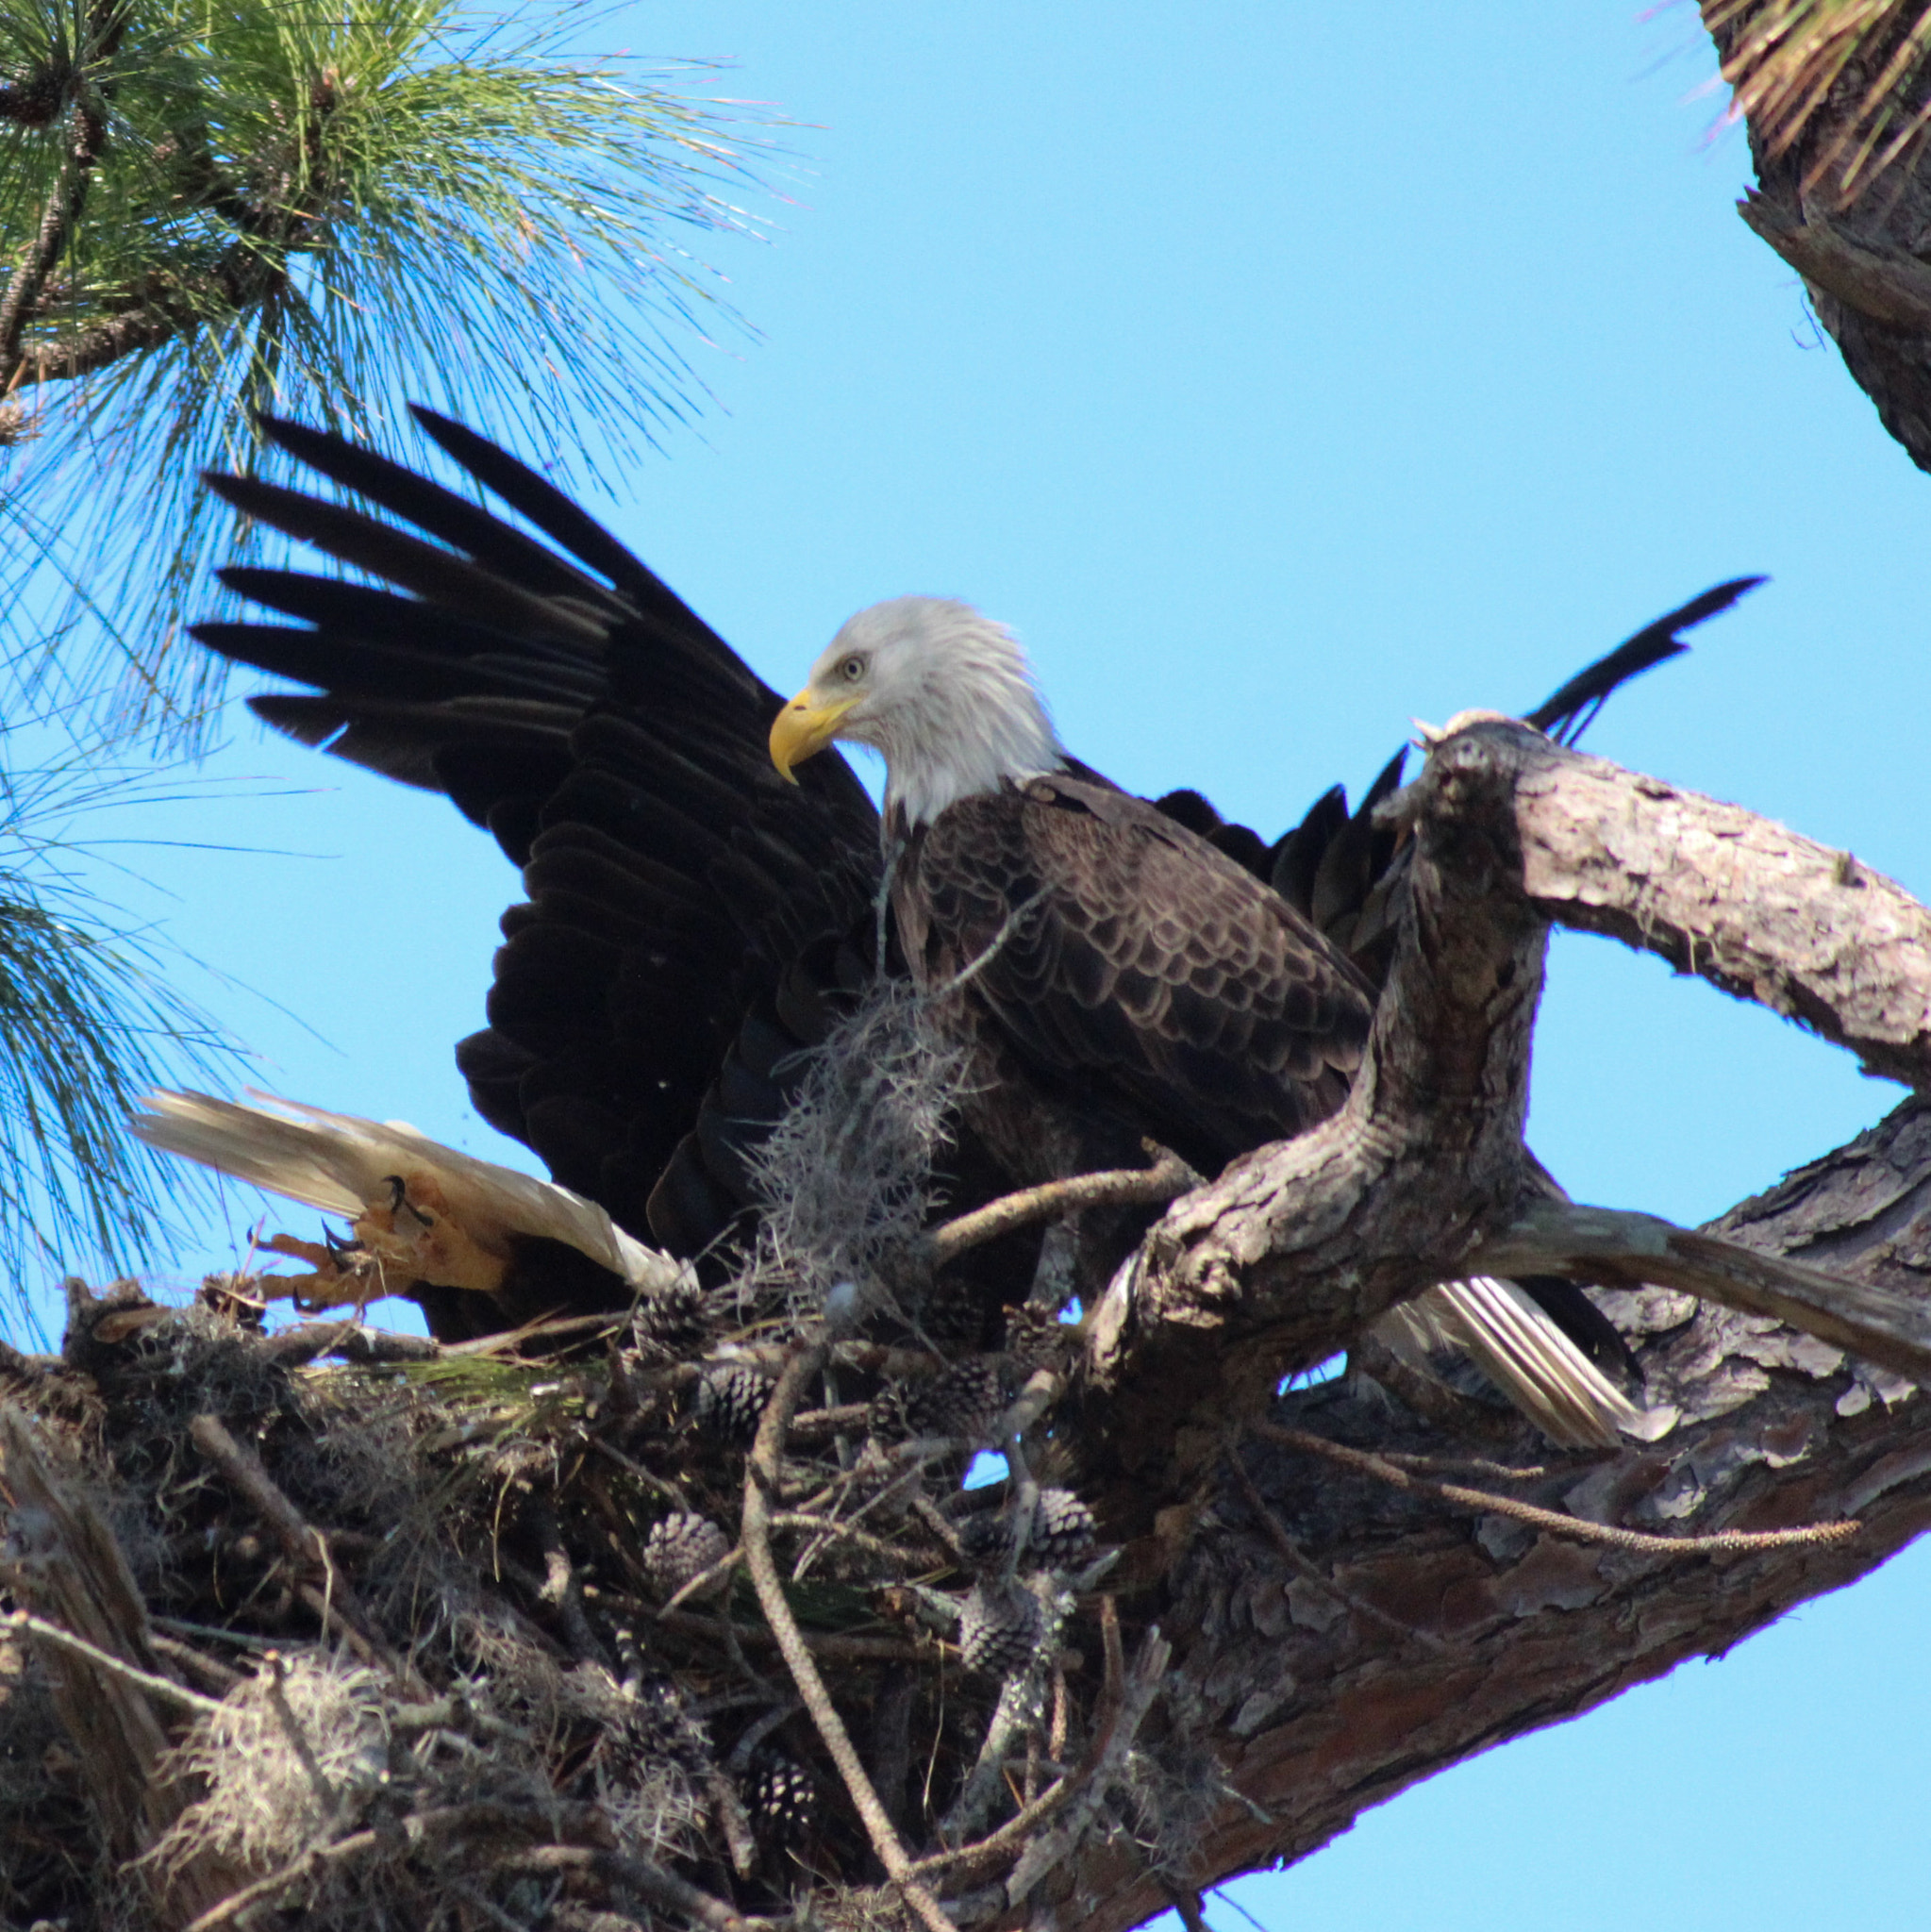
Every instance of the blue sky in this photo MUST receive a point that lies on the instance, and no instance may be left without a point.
(1282, 374)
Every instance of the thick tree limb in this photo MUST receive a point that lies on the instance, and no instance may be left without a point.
(1422, 1176)
(1620, 1250)
(1428, 1633)
(1739, 900)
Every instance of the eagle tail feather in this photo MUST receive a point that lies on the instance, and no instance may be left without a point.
(1522, 1351)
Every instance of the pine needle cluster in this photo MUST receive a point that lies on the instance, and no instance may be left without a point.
(90, 1019)
(209, 210)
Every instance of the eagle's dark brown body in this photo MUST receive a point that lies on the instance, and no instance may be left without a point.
(1137, 973)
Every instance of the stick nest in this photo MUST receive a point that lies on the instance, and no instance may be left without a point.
(423, 1637)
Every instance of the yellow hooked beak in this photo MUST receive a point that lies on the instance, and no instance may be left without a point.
(804, 728)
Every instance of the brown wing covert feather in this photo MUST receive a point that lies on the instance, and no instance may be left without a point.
(1147, 966)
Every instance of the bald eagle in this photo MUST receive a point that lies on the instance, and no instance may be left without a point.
(702, 873)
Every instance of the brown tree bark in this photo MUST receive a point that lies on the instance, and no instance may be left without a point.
(1344, 1629)
(1837, 115)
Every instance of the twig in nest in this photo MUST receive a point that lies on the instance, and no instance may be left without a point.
(729, 1808)
(1121, 1187)
(827, 1530)
(756, 1733)
(662, 1890)
(449, 1824)
(668, 1491)
(885, 1650)
(1045, 1850)
(512, 1339)
(297, 1736)
(192, 1660)
(562, 1589)
(365, 1347)
(1296, 1560)
(493, 1913)
(162, 1690)
(817, 1424)
(760, 1482)
(336, 1602)
(1466, 1465)
(1187, 1903)
(709, 1574)
(329, 1615)
(1579, 1529)
(1018, 1830)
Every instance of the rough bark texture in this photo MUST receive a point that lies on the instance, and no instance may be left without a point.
(1367, 1637)
(1323, 1705)
(1844, 184)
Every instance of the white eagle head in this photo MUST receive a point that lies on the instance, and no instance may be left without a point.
(942, 691)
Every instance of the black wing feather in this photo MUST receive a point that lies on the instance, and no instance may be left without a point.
(570, 702)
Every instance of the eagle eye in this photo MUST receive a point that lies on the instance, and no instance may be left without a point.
(851, 669)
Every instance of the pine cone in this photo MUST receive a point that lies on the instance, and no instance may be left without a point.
(662, 1727)
(39, 95)
(998, 1628)
(985, 1540)
(680, 1547)
(966, 1400)
(730, 1398)
(1062, 1530)
(1036, 1339)
(780, 1798)
(672, 1320)
(1060, 1534)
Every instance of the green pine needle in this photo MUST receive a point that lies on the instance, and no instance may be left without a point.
(323, 215)
(87, 1023)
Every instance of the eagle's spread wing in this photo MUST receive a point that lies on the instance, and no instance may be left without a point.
(1119, 951)
(564, 698)
(692, 920)
(1344, 871)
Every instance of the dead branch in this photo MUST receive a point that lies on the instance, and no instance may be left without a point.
(335, 1602)
(352, 1343)
(1626, 1250)
(1484, 1502)
(163, 1690)
(1118, 1187)
(762, 1482)
(664, 1890)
